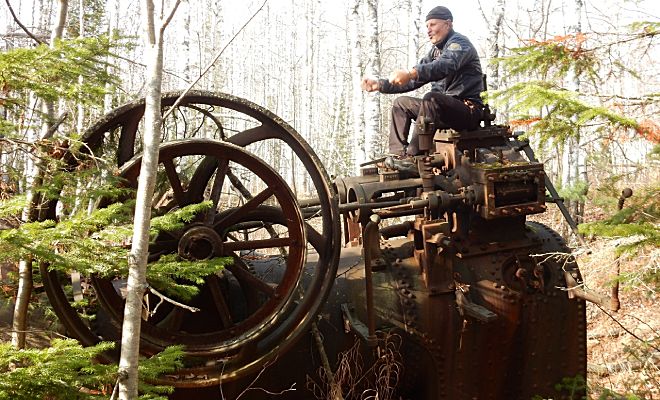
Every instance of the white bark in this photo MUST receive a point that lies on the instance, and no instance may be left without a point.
(81, 34)
(495, 35)
(112, 10)
(60, 20)
(357, 103)
(572, 155)
(416, 23)
(137, 259)
(34, 178)
(372, 136)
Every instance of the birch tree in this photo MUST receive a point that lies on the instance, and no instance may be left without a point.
(372, 142)
(572, 156)
(356, 68)
(495, 37)
(416, 22)
(34, 176)
(137, 259)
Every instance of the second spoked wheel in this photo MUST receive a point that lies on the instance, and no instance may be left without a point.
(242, 309)
(262, 303)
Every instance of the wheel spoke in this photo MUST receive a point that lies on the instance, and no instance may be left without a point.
(251, 135)
(200, 178)
(127, 138)
(216, 190)
(173, 320)
(251, 280)
(258, 244)
(219, 300)
(314, 237)
(250, 205)
(175, 182)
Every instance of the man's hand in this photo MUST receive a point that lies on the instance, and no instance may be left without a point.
(401, 77)
(370, 84)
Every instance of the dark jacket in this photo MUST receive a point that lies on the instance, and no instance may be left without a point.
(452, 66)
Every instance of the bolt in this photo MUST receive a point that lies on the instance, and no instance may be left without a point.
(521, 273)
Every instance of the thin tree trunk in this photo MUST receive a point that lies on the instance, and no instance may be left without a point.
(357, 104)
(415, 21)
(19, 322)
(80, 119)
(494, 37)
(137, 259)
(60, 20)
(372, 135)
(35, 177)
(572, 144)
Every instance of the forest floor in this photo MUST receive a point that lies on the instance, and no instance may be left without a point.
(623, 347)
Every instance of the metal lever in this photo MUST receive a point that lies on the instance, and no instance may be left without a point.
(466, 306)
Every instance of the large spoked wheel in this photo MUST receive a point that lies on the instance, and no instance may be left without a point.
(275, 310)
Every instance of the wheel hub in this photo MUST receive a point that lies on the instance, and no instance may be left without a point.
(199, 243)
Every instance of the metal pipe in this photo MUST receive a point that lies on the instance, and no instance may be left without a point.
(370, 235)
(367, 206)
(401, 229)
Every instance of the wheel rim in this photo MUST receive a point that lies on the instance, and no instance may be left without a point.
(322, 235)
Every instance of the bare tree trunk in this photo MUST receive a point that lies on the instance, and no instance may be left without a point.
(80, 118)
(58, 28)
(357, 104)
(372, 137)
(494, 36)
(415, 21)
(572, 144)
(19, 322)
(35, 176)
(137, 259)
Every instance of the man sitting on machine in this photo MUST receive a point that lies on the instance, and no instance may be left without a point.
(454, 70)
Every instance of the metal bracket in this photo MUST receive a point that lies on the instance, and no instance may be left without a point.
(525, 147)
(466, 306)
(353, 324)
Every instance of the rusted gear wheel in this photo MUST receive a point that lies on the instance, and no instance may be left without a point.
(243, 347)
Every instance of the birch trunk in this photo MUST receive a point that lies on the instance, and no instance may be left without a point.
(357, 103)
(494, 49)
(572, 155)
(137, 259)
(34, 178)
(372, 137)
(415, 21)
(80, 117)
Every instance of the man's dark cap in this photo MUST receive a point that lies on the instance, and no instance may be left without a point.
(439, 12)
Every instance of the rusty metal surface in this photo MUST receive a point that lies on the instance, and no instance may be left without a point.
(534, 339)
(484, 303)
(482, 295)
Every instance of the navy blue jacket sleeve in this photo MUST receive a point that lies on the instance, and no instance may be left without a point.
(386, 87)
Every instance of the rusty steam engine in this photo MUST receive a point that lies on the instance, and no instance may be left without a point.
(438, 288)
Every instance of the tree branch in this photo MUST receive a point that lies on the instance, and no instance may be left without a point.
(167, 299)
(25, 29)
(648, 343)
(169, 17)
(53, 128)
